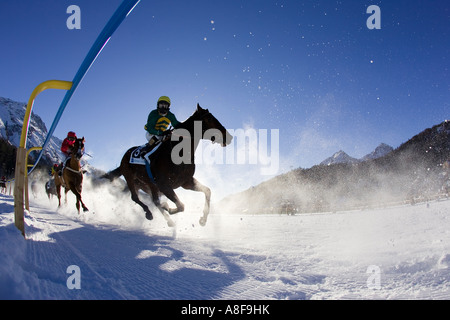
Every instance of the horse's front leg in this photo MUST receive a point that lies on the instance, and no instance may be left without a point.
(80, 200)
(58, 194)
(194, 185)
(66, 190)
(85, 209)
(134, 196)
(77, 194)
(153, 191)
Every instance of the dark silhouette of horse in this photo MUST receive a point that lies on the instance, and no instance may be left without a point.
(72, 175)
(50, 188)
(172, 165)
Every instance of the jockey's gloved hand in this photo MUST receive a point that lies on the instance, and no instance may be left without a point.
(165, 133)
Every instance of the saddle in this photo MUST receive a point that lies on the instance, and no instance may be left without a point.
(142, 155)
(137, 156)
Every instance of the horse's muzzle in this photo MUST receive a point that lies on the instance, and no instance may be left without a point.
(227, 139)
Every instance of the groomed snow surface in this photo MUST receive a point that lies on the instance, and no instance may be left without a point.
(112, 252)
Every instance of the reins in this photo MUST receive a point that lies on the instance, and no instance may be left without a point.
(80, 151)
(201, 117)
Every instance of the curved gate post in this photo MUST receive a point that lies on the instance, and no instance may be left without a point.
(21, 158)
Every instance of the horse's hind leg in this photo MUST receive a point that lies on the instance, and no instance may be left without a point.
(197, 186)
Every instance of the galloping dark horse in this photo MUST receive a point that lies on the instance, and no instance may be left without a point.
(72, 175)
(50, 188)
(172, 166)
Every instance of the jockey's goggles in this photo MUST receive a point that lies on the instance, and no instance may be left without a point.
(163, 105)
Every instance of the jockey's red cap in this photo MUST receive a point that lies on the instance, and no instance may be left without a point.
(71, 134)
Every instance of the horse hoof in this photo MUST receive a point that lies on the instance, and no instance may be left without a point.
(202, 222)
(85, 209)
(149, 216)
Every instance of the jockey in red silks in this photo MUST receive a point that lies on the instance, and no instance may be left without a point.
(66, 148)
(68, 143)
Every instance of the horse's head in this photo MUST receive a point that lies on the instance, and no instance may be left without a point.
(212, 128)
(78, 148)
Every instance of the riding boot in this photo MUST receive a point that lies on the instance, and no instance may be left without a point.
(148, 147)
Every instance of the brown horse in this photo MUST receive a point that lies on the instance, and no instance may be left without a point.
(172, 165)
(72, 175)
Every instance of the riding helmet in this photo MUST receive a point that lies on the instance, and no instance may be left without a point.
(164, 99)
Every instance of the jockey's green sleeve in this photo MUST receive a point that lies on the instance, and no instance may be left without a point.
(157, 124)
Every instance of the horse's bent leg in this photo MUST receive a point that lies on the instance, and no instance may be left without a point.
(171, 195)
(197, 186)
(135, 198)
(153, 191)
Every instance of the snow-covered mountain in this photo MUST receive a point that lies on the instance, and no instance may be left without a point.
(339, 157)
(380, 151)
(12, 114)
(342, 157)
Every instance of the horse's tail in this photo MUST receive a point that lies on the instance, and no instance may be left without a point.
(112, 175)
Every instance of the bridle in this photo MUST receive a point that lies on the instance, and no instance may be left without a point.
(78, 156)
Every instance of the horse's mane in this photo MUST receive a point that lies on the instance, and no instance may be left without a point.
(189, 122)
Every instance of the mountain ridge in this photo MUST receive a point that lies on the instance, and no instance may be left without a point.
(342, 157)
(415, 170)
(12, 114)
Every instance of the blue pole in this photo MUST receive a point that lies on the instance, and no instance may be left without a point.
(118, 17)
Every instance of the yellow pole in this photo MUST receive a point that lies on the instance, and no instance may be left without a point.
(18, 189)
(22, 152)
(27, 199)
(51, 84)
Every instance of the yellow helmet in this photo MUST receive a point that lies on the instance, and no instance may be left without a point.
(165, 99)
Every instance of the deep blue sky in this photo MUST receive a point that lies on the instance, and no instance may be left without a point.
(311, 69)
